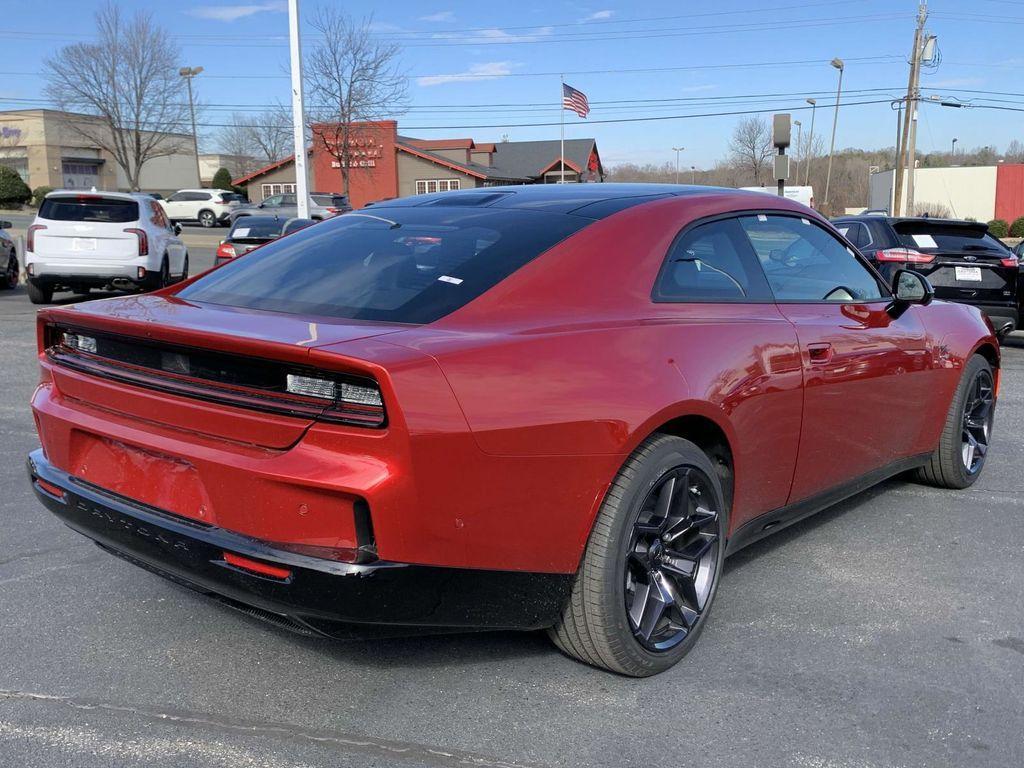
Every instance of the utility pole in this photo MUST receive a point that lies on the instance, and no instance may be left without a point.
(188, 73)
(799, 133)
(677, 150)
(298, 112)
(908, 138)
(838, 64)
(810, 141)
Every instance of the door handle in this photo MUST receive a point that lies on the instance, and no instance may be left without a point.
(819, 353)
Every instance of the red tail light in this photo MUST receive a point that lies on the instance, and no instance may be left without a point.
(225, 251)
(904, 255)
(1010, 262)
(257, 566)
(143, 240)
(31, 243)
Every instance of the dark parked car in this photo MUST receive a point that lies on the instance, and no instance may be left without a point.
(962, 261)
(551, 406)
(9, 268)
(250, 232)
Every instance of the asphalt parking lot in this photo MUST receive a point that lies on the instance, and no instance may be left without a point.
(887, 631)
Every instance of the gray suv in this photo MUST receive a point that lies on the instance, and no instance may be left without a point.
(322, 205)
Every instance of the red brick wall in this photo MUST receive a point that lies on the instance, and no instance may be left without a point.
(1009, 192)
(374, 174)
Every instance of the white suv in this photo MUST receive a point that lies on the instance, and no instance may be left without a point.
(207, 206)
(116, 240)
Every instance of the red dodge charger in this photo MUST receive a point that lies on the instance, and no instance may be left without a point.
(551, 407)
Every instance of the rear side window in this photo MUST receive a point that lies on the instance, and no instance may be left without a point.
(711, 262)
(855, 232)
(404, 265)
(89, 208)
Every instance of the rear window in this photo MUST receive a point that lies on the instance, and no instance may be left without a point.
(249, 228)
(926, 236)
(404, 265)
(231, 197)
(330, 201)
(89, 208)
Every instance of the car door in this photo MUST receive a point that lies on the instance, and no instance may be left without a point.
(167, 239)
(861, 364)
(176, 206)
(289, 206)
(272, 204)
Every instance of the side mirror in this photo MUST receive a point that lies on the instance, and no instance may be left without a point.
(5, 224)
(176, 227)
(261, 205)
(909, 287)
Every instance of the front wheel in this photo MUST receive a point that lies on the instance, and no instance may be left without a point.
(651, 567)
(964, 444)
(207, 219)
(184, 270)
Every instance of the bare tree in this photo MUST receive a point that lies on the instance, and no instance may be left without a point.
(1015, 152)
(354, 78)
(265, 136)
(751, 146)
(127, 82)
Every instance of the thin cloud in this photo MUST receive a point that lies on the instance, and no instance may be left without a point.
(439, 16)
(600, 15)
(491, 70)
(235, 12)
(954, 82)
(496, 35)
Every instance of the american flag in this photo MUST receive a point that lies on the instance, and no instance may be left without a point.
(575, 100)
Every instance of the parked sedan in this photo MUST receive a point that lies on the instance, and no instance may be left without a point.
(251, 232)
(960, 259)
(551, 406)
(322, 205)
(8, 258)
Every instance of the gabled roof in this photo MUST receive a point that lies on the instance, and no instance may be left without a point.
(266, 169)
(435, 144)
(533, 158)
(470, 169)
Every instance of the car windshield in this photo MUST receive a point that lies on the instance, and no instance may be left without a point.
(330, 201)
(252, 228)
(406, 265)
(931, 236)
(91, 208)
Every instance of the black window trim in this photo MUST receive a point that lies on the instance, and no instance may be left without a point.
(747, 255)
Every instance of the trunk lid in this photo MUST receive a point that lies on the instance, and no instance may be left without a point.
(968, 264)
(86, 227)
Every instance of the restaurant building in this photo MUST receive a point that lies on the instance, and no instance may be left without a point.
(384, 164)
(40, 147)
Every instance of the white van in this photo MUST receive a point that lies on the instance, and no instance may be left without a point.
(803, 195)
(82, 240)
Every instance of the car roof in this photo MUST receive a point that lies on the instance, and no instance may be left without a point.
(249, 221)
(98, 193)
(902, 219)
(594, 200)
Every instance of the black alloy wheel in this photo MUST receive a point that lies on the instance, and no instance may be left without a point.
(672, 558)
(977, 421)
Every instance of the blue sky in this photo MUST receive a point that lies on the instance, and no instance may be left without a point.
(498, 52)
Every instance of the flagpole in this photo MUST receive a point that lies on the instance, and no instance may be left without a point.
(561, 104)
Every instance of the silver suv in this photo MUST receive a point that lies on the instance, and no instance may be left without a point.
(322, 205)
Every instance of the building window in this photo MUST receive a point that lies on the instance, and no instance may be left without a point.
(426, 186)
(277, 189)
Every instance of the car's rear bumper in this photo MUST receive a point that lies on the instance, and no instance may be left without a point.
(1004, 317)
(322, 596)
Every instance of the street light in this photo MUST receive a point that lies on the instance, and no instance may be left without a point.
(188, 73)
(953, 153)
(693, 174)
(838, 64)
(810, 140)
(677, 150)
(799, 133)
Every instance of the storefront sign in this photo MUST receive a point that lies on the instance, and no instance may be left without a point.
(7, 132)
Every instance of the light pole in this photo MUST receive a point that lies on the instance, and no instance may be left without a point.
(677, 150)
(838, 64)
(953, 152)
(799, 133)
(810, 140)
(188, 73)
(693, 174)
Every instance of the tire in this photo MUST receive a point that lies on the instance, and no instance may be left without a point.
(184, 270)
(207, 219)
(603, 624)
(12, 273)
(39, 294)
(956, 463)
(165, 274)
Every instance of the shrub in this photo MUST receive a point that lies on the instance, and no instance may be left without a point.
(39, 193)
(221, 179)
(13, 191)
(998, 228)
(1017, 228)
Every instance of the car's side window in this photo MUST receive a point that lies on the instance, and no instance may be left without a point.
(855, 232)
(711, 262)
(804, 262)
(177, 197)
(289, 200)
(271, 202)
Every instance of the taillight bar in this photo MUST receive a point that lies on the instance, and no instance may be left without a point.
(143, 239)
(1010, 262)
(30, 243)
(904, 255)
(225, 251)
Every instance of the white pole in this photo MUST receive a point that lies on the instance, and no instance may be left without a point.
(298, 112)
(561, 154)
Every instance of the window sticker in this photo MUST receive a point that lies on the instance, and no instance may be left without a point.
(925, 241)
(452, 280)
(244, 232)
(762, 217)
(805, 221)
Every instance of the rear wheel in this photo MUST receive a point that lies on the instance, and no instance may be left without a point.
(165, 274)
(11, 274)
(651, 568)
(39, 294)
(207, 219)
(966, 436)
(184, 269)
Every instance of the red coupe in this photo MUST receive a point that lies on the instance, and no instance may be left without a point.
(531, 407)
